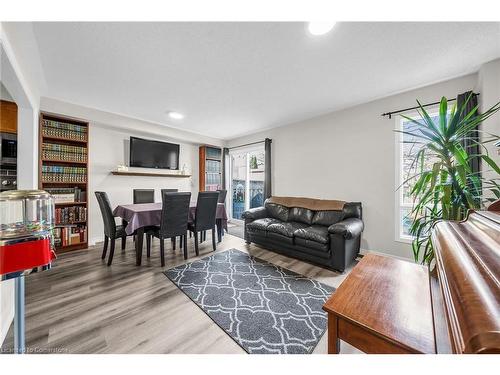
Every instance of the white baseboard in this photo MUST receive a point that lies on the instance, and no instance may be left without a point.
(365, 251)
(94, 241)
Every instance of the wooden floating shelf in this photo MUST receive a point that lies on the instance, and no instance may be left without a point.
(149, 174)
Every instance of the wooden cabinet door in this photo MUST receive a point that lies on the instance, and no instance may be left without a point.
(8, 117)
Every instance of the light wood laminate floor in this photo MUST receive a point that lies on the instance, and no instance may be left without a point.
(83, 306)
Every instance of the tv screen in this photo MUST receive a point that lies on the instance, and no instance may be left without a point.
(153, 154)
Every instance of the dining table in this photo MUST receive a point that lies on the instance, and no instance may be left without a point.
(137, 217)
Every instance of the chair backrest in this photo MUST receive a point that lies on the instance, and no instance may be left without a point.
(206, 209)
(174, 214)
(163, 191)
(107, 213)
(222, 195)
(144, 196)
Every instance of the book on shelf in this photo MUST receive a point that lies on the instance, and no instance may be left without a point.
(212, 166)
(213, 153)
(57, 173)
(213, 178)
(52, 128)
(64, 198)
(212, 187)
(70, 235)
(70, 215)
(67, 195)
(53, 151)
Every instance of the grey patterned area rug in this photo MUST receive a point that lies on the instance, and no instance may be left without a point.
(263, 307)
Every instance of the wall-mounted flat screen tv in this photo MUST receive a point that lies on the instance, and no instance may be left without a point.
(146, 153)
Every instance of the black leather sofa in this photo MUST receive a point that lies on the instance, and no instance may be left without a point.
(330, 238)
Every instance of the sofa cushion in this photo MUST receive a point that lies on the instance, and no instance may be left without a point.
(301, 215)
(316, 233)
(277, 211)
(278, 239)
(327, 218)
(306, 246)
(285, 229)
(261, 224)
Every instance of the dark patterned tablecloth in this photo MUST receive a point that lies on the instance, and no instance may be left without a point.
(146, 214)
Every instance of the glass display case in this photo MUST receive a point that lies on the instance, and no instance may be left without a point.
(25, 213)
(26, 223)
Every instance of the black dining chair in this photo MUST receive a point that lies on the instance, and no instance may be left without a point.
(204, 219)
(174, 220)
(168, 191)
(144, 196)
(111, 230)
(171, 191)
(222, 195)
(222, 199)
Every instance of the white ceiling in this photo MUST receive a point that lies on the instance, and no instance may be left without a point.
(231, 79)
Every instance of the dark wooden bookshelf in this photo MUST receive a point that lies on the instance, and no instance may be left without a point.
(62, 140)
(210, 154)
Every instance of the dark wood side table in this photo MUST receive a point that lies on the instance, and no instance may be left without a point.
(382, 307)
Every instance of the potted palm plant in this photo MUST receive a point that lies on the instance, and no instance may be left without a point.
(443, 185)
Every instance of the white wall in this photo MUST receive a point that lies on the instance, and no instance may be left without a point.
(489, 87)
(4, 94)
(25, 92)
(350, 155)
(22, 40)
(109, 148)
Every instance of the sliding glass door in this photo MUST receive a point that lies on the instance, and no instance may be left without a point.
(246, 180)
(239, 184)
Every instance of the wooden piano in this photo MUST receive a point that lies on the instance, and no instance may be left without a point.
(465, 284)
(387, 305)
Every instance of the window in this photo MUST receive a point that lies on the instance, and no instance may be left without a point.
(405, 168)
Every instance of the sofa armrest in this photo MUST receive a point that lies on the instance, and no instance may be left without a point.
(255, 213)
(348, 228)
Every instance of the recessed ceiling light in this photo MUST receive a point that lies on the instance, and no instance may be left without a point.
(320, 28)
(175, 115)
